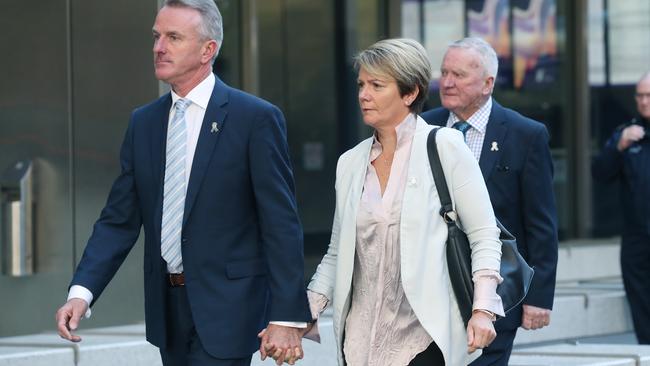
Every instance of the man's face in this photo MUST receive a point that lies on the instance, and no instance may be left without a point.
(178, 49)
(464, 84)
(643, 98)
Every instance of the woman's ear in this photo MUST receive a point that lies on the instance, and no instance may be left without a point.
(410, 97)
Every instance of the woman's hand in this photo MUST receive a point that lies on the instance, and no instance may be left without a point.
(480, 331)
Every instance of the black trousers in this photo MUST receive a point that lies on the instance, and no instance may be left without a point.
(184, 347)
(635, 267)
(498, 353)
(429, 357)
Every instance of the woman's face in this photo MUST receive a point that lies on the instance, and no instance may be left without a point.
(380, 102)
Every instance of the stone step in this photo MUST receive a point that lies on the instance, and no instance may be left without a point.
(582, 312)
(35, 356)
(546, 360)
(588, 259)
(99, 347)
(577, 354)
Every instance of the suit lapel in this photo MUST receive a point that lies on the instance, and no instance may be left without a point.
(215, 113)
(158, 135)
(495, 133)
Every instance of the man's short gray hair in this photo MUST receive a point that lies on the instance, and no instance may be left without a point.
(403, 59)
(487, 55)
(211, 21)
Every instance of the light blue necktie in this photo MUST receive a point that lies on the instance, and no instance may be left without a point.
(174, 189)
(462, 126)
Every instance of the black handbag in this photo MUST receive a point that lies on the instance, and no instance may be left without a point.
(517, 274)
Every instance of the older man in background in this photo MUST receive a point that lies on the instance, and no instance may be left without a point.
(515, 160)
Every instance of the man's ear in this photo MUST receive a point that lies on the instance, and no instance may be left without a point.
(489, 85)
(209, 50)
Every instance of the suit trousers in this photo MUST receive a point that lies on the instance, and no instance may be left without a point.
(184, 347)
(635, 268)
(429, 357)
(498, 353)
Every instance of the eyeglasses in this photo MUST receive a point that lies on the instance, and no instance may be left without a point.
(641, 96)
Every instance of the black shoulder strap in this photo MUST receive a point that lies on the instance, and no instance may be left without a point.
(438, 173)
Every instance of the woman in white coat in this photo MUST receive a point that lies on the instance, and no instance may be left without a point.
(385, 272)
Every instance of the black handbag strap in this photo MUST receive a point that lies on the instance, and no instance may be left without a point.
(439, 176)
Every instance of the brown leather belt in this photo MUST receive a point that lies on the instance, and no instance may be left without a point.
(176, 279)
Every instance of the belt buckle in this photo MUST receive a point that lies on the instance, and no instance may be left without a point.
(176, 279)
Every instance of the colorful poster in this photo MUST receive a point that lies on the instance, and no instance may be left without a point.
(534, 32)
(488, 19)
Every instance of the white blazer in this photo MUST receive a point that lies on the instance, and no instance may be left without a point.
(423, 234)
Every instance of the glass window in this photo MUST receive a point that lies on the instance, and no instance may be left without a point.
(534, 38)
(490, 20)
(629, 40)
(596, 39)
(435, 24)
(439, 31)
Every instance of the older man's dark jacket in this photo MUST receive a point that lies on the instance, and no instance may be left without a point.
(518, 171)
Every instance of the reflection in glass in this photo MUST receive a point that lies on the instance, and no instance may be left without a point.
(488, 19)
(535, 43)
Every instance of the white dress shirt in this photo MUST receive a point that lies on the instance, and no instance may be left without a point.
(475, 136)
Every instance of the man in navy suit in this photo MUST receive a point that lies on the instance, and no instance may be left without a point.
(514, 157)
(205, 170)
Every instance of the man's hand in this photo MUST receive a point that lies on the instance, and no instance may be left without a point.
(535, 318)
(68, 317)
(283, 344)
(630, 135)
(480, 331)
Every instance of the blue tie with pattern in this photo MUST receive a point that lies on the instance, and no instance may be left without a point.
(462, 126)
(174, 189)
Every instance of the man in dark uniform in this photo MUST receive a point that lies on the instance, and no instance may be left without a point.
(626, 156)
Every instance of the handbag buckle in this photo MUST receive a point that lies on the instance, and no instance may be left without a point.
(449, 217)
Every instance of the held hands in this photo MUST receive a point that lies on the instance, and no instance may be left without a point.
(630, 135)
(68, 317)
(283, 344)
(535, 318)
(480, 331)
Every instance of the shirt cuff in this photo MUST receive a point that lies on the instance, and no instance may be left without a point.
(485, 291)
(302, 325)
(80, 292)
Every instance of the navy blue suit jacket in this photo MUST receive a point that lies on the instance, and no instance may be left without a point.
(242, 241)
(519, 178)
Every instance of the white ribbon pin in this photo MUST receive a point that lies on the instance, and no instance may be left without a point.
(495, 146)
(215, 127)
